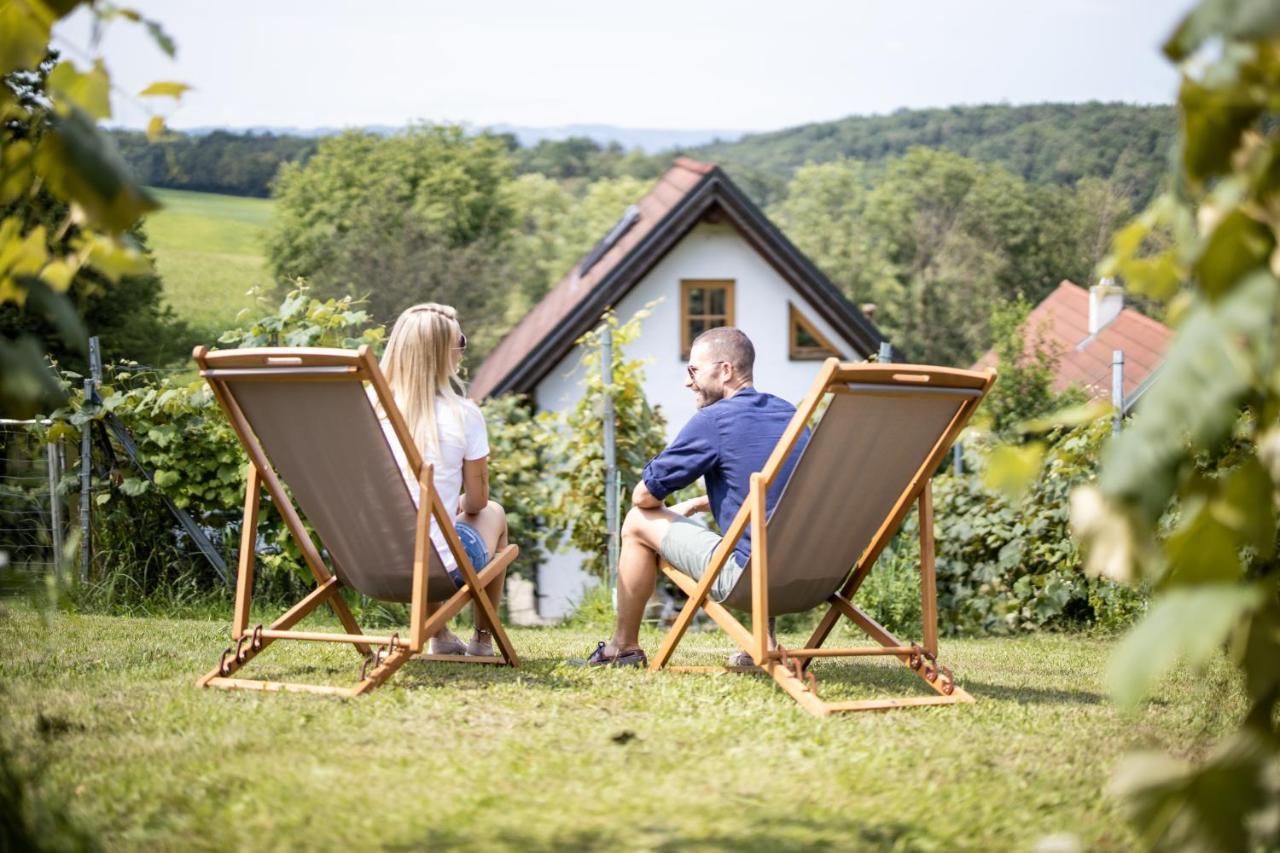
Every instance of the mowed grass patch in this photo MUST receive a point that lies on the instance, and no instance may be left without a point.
(210, 249)
(548, 756)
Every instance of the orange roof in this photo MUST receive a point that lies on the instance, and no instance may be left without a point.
(562, 298)
(1062, 322)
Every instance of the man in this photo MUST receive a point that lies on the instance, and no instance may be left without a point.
(728, 439)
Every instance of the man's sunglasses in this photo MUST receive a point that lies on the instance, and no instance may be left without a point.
(693, 371)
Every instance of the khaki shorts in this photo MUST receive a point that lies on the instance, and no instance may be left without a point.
(688, 545)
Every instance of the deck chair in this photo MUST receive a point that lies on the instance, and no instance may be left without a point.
(869, 459)
(305, 418)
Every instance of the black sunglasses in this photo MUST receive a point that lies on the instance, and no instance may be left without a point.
(462, 341)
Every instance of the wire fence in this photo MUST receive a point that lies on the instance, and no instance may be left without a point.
(33, 509)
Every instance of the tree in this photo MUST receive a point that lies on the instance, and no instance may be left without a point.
(1202, 457)
(53, 158)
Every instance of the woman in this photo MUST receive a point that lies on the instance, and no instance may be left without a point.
(421, 365)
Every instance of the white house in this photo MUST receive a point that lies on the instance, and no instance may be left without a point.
(699, 245)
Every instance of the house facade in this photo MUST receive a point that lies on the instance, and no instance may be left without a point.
(701, 255)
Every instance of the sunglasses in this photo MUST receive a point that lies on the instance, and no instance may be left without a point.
(693, 371)
(462, 341)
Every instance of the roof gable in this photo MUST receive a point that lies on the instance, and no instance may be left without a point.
(682, 197)
(1062, 320)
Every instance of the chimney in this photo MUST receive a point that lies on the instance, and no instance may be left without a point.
(1106, 301)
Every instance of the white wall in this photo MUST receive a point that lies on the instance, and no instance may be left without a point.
(760, 309)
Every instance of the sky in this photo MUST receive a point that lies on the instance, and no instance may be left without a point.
(741, 65)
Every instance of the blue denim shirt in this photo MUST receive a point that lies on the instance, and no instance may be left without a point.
(726, 443)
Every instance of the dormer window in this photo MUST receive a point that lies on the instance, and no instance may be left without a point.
(704, 304)
(807, 343)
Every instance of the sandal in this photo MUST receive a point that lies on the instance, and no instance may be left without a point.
(635, 657)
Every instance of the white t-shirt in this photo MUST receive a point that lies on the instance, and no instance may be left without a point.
(458, 441)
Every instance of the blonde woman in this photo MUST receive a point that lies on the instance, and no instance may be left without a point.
(421, 366)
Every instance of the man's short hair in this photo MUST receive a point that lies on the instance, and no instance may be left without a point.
(731, 345)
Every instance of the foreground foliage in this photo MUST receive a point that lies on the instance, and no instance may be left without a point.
(548, 756)
(1206, 438)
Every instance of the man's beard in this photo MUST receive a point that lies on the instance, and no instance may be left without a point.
(704, 398)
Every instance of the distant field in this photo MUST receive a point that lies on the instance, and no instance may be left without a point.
(209, 250)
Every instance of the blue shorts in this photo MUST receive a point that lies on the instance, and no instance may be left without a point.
(473, 544)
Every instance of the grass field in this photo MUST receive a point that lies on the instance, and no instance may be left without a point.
(209, 250)
(104, 713)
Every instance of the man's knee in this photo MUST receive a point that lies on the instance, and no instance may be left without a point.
(644, 526)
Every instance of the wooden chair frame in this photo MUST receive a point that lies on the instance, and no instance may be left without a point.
(789, 667)
(314, 364)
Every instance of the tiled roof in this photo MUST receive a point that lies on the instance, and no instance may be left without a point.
(556, 306)
(1062, 322)
(687, 192)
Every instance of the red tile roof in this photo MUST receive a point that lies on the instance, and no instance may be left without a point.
(557, 305)
(1062, 321)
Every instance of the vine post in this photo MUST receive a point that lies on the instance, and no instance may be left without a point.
(610, 457)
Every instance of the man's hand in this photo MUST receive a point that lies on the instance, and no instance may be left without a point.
(693, 506)
(643, 498)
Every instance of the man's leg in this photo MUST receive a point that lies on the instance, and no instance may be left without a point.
(642, 533)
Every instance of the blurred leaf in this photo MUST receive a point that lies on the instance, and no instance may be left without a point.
(1188, 623)
(26, 25)
(79, 163)
(1073, 416)
(1203, 383)
(1203, 550)
(1011, 469)
(166, 89)
(1212, 123)
(90, 91)
(59, 312)
(27, 384)
(113, 257)
(16, 170)
(1237, 245)
(1180, 807)
(155, 128)
(160, 37)
(1245, 20)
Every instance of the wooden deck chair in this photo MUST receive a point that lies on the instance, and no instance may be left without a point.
(868, 460)
(306, 419)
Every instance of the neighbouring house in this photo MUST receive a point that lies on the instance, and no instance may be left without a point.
(700, 246)
(1086, 327)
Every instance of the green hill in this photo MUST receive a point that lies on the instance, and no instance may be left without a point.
(1042, 143)
(209, 252)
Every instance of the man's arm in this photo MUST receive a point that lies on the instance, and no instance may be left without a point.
(643, 498)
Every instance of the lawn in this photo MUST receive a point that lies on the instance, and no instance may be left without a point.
(209, 250)
(453, 756)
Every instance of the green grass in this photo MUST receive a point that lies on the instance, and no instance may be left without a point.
(451, 756)
(209, 250)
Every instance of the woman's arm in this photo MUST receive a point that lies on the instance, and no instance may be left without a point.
(475, 485)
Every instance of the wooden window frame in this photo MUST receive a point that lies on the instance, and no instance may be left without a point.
(687, 284)
(798, 353)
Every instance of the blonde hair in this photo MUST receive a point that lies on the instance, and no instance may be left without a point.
(419, 368)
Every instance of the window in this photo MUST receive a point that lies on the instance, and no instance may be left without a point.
(704, 304)
(807, 343)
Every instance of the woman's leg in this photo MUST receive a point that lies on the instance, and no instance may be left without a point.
(491, 524)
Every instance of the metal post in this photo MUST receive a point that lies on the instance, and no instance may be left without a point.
(610, 455)
(1117, 390)
(886, 353)
(55, 510)
(86, 438)
(957, 456)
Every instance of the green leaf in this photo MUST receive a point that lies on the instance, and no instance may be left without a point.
(1205, 379)
(1245, 20)
(102, 499)
(1203, 550)
(1187, 623)
(155, 128)
(1212, 125)
(134, 486)
(1237, 246)
(165, 478)
(59, 312)
(1011, 469)
(80, 164)
(165, 89)
(90, 91)
(26, 25)
(160, 37)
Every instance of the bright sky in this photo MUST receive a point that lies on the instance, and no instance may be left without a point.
(732, 64)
